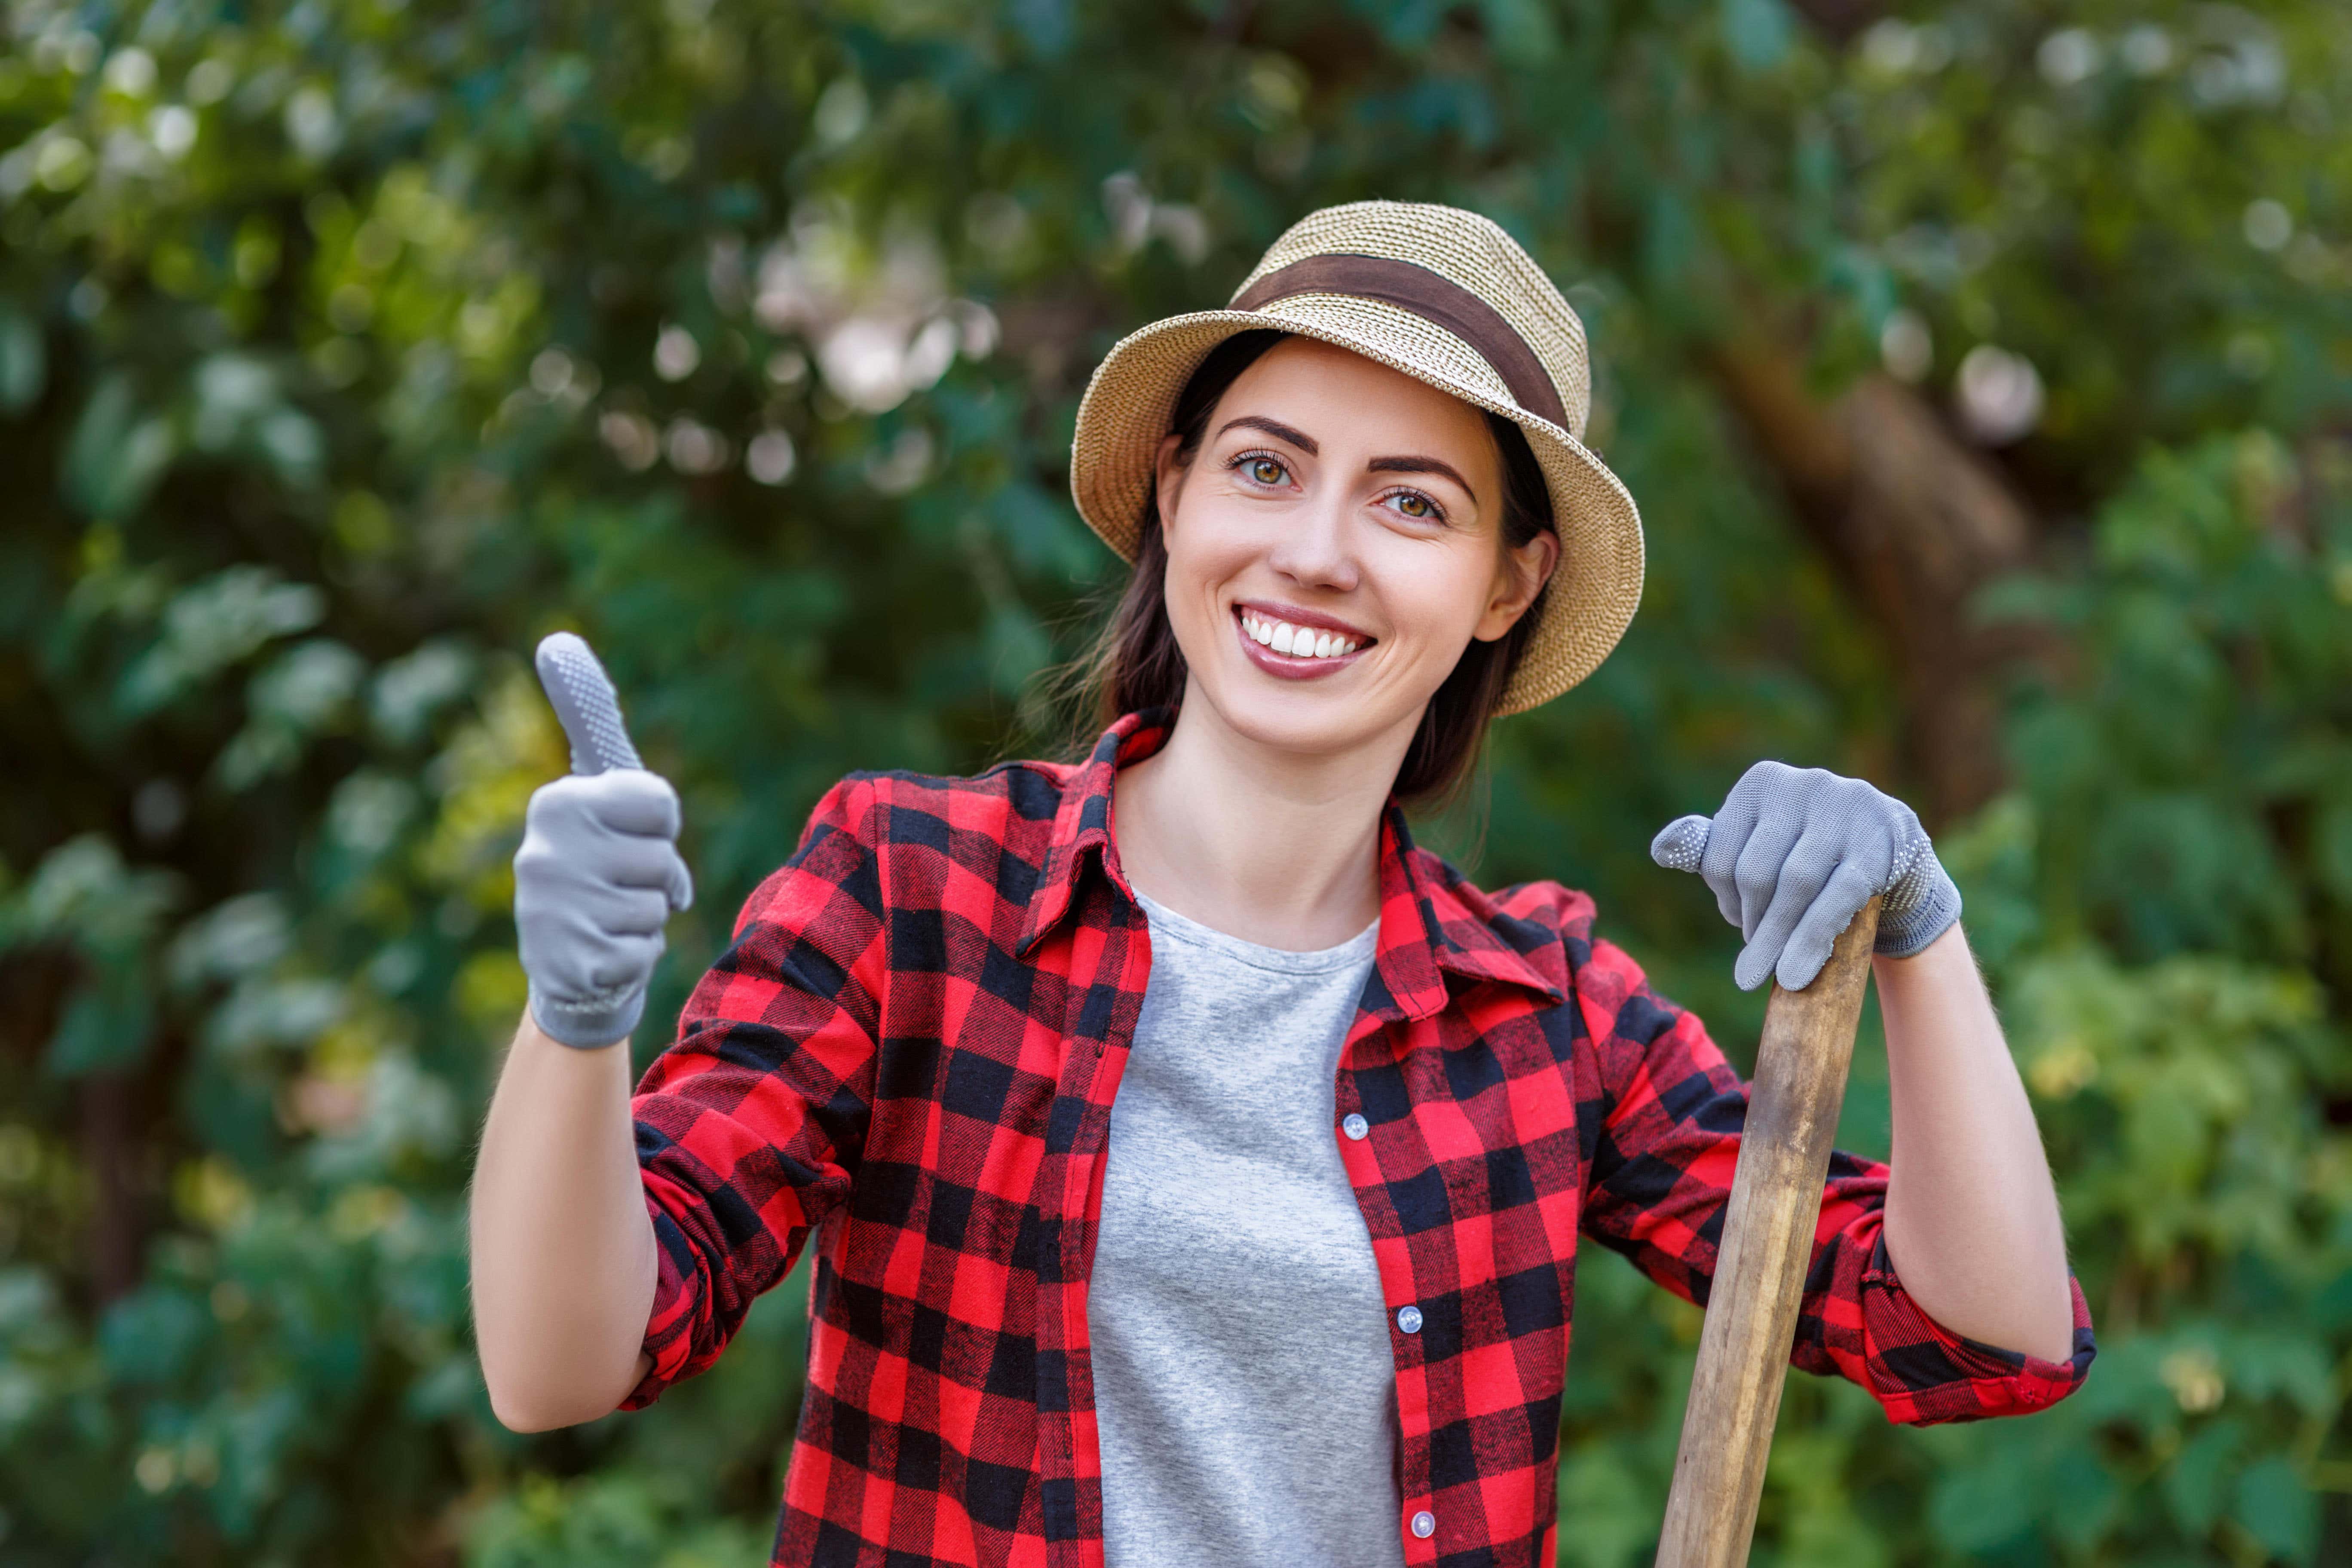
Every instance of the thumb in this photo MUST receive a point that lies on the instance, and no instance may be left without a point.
(581, 694)
(1681, 843)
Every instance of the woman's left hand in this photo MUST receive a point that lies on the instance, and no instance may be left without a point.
(1795, 853)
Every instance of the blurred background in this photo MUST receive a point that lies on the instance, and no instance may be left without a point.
(1984, 372)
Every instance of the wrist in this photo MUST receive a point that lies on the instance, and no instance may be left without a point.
(588, 1023)
(1921, 907)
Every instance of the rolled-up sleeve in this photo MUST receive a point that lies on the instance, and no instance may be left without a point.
(749, 1126)
(1672, 1111)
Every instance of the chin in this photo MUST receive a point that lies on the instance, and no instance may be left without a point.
(1310, 718)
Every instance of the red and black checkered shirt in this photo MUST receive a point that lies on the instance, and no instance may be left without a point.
(913, 1045)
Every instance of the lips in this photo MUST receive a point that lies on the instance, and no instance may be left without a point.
(1295, 666)
(1300, 641)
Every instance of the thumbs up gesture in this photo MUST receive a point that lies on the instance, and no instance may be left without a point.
(598, 873)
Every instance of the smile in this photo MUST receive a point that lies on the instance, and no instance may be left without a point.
(1295, 651)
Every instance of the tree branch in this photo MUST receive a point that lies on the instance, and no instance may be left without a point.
(1915, 522)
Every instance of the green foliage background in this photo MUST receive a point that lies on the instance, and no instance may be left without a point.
(348, 345)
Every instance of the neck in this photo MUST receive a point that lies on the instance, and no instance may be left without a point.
(1274, 847)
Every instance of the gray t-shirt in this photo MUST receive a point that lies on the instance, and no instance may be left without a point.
(1244, 1386)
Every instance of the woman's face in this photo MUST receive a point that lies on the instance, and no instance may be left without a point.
(1336, 499)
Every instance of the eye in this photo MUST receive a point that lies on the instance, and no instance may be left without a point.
(1261, 467)
(1416, 506)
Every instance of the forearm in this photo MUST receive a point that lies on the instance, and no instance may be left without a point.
(564, 1257)
(1972, 1222)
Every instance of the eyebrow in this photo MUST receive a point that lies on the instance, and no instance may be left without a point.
(1275, 428)
(1422, 466)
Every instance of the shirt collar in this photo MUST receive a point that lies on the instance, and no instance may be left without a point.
(1433, 923)
(1082, 823)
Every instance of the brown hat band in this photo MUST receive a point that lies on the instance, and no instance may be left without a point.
(1436, 299)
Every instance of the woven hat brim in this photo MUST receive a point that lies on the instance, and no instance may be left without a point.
(1131, 400)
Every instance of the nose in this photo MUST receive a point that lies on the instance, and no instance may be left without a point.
(1317, 546)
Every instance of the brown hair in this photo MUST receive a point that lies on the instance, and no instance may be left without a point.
(1136, 663)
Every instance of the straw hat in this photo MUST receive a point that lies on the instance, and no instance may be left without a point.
(1448, 298)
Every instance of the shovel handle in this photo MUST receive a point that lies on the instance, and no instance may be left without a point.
(1759, 1273)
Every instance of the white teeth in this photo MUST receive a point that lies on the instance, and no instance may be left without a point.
(1299, 642)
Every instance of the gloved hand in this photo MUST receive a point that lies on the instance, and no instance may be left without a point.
(1795, 853)
(599, 871)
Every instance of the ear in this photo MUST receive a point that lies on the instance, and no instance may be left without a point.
(1523, 569)
(1168, 477)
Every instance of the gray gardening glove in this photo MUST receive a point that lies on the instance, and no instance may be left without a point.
(1793, 855)
(598, 872)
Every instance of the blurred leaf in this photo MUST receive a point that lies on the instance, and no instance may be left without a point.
(214, 623)
(116, 453)
(147, 1335)
(1758, 31)
(105, 1026)
(2195, 1483)
(2278, 1510)
(24, 360)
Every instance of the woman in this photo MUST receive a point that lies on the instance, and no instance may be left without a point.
(1200, 1164)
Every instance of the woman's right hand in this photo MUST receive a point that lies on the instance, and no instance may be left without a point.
(599, 872)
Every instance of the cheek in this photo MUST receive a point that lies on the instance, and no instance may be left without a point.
(1210, 546)
(1433, 598)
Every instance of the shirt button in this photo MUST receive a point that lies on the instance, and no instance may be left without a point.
(1424, 1524)
(1409, 1320)
(1356, 1127)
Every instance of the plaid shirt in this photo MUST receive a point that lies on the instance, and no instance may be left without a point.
(912, 1047)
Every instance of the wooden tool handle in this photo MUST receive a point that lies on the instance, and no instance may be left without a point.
(1760, 1272)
